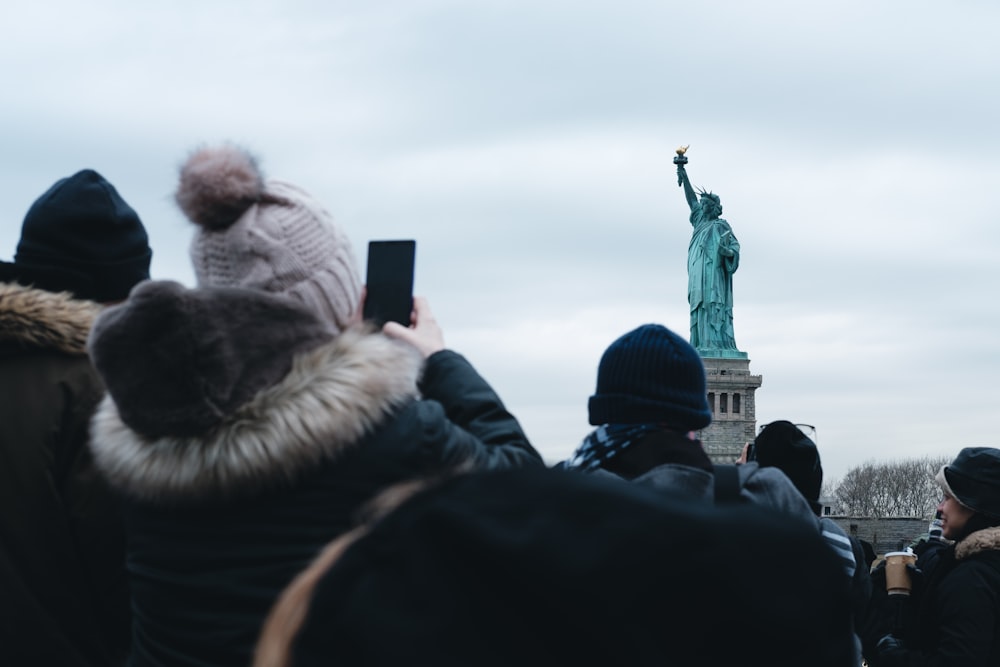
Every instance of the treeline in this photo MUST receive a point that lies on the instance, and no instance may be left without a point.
(897, 488)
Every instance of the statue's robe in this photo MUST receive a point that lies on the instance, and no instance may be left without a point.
(713, 257)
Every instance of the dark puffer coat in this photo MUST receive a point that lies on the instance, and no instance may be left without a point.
(218, 525)
(63, 594)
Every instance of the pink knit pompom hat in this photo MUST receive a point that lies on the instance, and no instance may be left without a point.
(266, 234)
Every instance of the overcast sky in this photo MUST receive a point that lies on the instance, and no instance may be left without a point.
(528, 145)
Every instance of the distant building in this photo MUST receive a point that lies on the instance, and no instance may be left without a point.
(829, 505)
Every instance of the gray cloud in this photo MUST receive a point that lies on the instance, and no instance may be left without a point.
(527, 147)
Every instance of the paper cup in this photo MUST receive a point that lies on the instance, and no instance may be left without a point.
(897, 578)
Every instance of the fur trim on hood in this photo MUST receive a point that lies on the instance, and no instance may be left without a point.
(987, 539)
(34, 318)
(334, 395)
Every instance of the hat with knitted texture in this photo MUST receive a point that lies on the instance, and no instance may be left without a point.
(266, 234)
(81, 237)
(179, 361)
(651, 375)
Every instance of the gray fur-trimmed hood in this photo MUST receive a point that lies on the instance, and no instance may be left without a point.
(35, 318)
(987, 539)
(333, 396)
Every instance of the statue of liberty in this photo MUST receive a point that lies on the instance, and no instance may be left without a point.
(713, 257)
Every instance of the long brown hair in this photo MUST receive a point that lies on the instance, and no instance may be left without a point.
(274, 648)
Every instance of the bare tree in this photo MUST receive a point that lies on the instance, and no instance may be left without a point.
(896, 488)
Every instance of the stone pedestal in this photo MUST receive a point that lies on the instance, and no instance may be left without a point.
(731, 390)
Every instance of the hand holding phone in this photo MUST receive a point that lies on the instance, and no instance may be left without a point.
(389, 282)
(425, 334)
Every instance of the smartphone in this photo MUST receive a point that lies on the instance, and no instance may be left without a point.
(389, 282)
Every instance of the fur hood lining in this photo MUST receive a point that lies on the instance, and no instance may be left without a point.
(35, 318)
(333, 396)
(987, 539)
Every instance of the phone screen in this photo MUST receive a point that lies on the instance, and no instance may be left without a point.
(389, 282)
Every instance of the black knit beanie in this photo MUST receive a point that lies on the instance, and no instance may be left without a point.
(651, 375)
(782, 445)
(81, 237)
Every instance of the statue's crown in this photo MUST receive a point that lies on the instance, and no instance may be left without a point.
(709, 195)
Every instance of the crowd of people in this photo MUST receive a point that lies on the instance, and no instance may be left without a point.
(246, 472)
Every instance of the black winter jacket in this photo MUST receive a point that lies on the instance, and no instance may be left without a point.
(218, 526)
(958, 617)
(63, 594)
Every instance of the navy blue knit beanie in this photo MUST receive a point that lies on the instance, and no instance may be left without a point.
(651, 375)
(81, 237)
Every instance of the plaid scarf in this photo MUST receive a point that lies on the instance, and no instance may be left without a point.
(604, 443)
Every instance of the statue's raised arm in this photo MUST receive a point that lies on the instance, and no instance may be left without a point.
(682, 177)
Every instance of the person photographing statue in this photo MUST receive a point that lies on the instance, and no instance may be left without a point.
(713, 257)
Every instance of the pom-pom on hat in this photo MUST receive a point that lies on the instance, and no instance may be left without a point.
(973, 479)
(651, 375)
(179, 361)
(266, 234)
(782, 445)
(81, 237)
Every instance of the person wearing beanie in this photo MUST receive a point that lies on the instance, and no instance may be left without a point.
(266, 234)
(650, 403)
(64, 597)
(244, 432)
(957, 606)
(570, 569)
(783, 445)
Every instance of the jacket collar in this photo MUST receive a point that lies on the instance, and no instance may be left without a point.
(987, 539)
(32, 318)
(333, 396)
